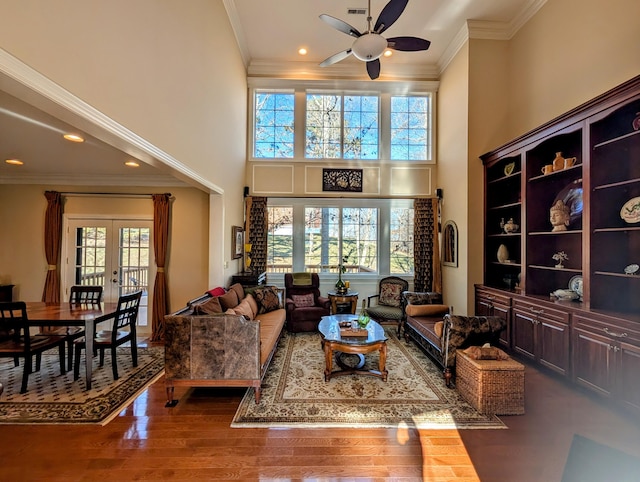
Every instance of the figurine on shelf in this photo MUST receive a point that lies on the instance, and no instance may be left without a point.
(559, 216)
(510, 227)
(559, 257)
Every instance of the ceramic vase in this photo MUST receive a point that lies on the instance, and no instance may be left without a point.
(503, 254)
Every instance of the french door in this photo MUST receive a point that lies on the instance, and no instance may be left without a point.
(116, 254)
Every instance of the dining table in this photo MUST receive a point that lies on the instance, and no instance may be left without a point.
(44, 314)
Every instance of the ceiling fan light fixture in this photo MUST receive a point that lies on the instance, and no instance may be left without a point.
(369, 47)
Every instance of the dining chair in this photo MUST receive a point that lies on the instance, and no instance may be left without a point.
(80, 296)
(122, 331)
(16, 341)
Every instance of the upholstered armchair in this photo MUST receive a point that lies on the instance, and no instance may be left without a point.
(304, 304)
(389, 307)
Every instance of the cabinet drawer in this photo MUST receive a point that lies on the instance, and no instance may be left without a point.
(541, 311)
(614, 331)
(493, 297)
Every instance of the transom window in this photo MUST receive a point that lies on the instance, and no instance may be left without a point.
(342, 127)
(307, 124)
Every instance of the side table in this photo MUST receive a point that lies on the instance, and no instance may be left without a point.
(249, 279)
(343, 302)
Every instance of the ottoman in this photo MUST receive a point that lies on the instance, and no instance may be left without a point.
(491, 386)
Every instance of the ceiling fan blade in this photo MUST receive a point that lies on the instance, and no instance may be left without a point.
(390, 13)
(340, 25)
(408, 44)
(335, 58)
(373, 69)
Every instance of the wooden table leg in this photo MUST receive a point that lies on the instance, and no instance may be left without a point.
(383, 361)
(328, 361)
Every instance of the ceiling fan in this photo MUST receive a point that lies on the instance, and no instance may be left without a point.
(369, 46)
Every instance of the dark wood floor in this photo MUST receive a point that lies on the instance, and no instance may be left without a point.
(194, 442)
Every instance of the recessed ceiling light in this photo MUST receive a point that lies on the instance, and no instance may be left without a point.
(131, 164)
(14, 162)
(73, 138)
(302, 51)
(388, 53)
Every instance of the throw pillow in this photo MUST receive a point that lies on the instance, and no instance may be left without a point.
(422, 298)
(209, 307)
(244, 309)
(267, 299)
(237, 287)
(217, 291)
(229, 300)
(426, 310)
(485, 353)
(390, 295)
(302, 301)
(253, 303)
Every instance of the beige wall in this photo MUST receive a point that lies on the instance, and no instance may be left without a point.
(168, 70)
(453, 171)
(570, 52)
(22, 258)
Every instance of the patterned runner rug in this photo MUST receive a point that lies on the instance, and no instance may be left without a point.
(294, 392)
(55, 399)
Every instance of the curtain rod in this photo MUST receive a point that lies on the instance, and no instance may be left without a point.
(107, 194)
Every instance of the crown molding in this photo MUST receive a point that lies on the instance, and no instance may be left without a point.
(484, 30)
(84, 180)
(238, 31)
(342, 70)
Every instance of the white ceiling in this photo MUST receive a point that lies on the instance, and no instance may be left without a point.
(269, 34)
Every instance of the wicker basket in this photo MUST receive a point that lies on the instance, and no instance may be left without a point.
(491, 386)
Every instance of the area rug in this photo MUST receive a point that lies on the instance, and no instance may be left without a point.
(590, 461)
(294, 393)
(56, 399)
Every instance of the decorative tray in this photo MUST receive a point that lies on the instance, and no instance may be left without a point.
(350, 332)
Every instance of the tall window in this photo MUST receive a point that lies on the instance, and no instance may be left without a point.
(280, 238)
(410, 127)
(273, 125)
(342, 127)
(401, 241)
(334, 234)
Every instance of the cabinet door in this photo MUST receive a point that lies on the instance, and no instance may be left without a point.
(593, 361)
(489, 303)
(627, 386)
(523, 333)
(553, 345)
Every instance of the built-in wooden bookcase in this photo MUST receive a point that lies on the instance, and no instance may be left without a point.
(593, 341)
(615, 179)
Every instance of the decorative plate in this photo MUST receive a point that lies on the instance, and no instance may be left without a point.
(508, 169)
(630, 212)
(575, 284)
(632, 269)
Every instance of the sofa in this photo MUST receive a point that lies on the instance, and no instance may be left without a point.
(223, 339)
(440, 333)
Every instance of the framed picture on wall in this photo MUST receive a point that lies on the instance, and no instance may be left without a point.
(237, 242)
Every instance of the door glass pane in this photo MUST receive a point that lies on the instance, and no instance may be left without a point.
(90, 263)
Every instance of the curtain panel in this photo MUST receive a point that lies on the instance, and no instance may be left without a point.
(427, 270)
(161, 216)
(256, 232)
(52, 241)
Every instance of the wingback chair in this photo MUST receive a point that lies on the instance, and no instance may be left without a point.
(389, 307)
(304, 304)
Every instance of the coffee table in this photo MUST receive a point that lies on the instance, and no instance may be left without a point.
(341, 344)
